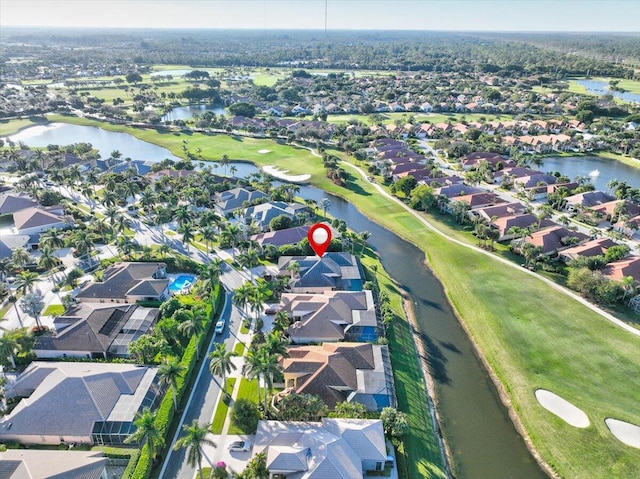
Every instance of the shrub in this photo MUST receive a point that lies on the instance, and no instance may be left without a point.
(245, 416)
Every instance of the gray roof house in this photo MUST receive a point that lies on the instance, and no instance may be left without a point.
(94, 330)
(8, 243)
(339, 372)
(334, 448)
(331, 316)
(13, 202)
(263, 213)
(45, 464)
(227, 202)
(128, 283)
(334, 271)
(81, 402)
(30, 221)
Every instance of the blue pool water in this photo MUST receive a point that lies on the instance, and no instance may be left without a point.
(178, 283)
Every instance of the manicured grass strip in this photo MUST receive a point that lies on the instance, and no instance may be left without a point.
(9, 127)
(53, 310)
(239, 348)
(222, 409)
(247, 390)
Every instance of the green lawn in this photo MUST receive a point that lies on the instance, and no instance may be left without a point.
(239, 348)
(247, 390)
(530, 335)
(10, 127)
(422, 457)
(222, 409)
(53, 310)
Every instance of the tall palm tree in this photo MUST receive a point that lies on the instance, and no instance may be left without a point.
(169, 372)
(186, 230)
(9, 347)
(224, 161)
(208, 234)
(324, 204)
(231, 234)
(364, 236)
(47, 260)
(220, 362)
(260, 363)
(211, 272)
(26, 281)
(276, 344)
(194, 438)
(20, 257)
(146, 432)
(249, 259)
(242, 295)
(52, 238)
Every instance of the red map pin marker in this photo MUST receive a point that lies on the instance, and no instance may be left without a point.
(319, 237)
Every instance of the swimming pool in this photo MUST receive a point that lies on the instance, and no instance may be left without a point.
(181, 281)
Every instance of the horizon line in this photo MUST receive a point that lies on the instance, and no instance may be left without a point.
(319, 30)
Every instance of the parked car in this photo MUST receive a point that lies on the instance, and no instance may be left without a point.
(271, 310)
(239, 446)
(219, 327)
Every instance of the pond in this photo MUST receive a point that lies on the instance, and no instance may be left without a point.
(599, 170)
(186, 112)
(602, 88)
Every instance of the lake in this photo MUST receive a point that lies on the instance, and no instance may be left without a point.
(602, 88)
(608, 169)
(107, 141)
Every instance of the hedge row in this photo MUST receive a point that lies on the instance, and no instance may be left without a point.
(165, 412)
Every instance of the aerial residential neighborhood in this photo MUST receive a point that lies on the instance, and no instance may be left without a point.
(382, 248)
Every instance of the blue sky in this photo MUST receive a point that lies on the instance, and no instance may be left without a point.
(509, 15)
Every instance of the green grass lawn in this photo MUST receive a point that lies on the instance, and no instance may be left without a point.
(247, 390)
(239, 348)
(421, 457)
(222, 409)
(530, 335)
(53, 310)
(9, 127)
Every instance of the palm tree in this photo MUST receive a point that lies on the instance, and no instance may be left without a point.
(249, 259)
(211, 273)
(324, 204)
(232, 235)
(26, 281)
(276, 344)
(192, 326)
(242, 295)
(52, 238)
(186, 230)
(220, 362)
(224, 161)
(47, 260)
(194, 438)
(9, 347)
(169, 372)
(208, 234)
(364, 236)
(20, 257)
(146, 432)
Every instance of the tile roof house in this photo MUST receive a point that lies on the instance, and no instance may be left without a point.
(11, 203)
(128, 283)
(46, 464)
(81, 402)
(227, 202)
(339, 372)
(500, 211)
(552, 239)
(331, 316)
(617, 270)
(94, 330)
(36, 220)
(334, 271)
(334, 448)
(504, 224)
(590, 248)
(588, 199)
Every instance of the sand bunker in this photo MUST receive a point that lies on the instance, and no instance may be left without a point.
(562, 408)
(282, 175)
(263, 152)
(625, 432)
